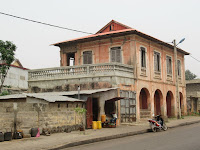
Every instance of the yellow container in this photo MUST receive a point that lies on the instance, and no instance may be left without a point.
(94, 125)
(103, 118)
(98, 124)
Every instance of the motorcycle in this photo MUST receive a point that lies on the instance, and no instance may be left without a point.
(156, 124)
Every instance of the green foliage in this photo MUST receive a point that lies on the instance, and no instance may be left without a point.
(80, 111)
(7, 52)
(4, 93)
(189, 75)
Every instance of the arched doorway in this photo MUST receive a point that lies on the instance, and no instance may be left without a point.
(181, 103)
(169, 101)
(157, 102)
(144, 96)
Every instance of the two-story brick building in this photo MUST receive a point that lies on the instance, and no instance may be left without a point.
(118, 56)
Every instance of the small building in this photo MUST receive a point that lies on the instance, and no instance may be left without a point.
(193, 95)
(53, 112)
(16, 80)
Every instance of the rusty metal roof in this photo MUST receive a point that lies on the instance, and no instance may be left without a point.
(55, 96)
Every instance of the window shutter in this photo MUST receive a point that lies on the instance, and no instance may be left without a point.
(155, 62)
(143, 57)
(158, 62)
(113, 55)
(170, 66)
(179, 67)
(87, 57)
(118, 55)
(84, 58)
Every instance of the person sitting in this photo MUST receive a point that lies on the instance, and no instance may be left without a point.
(160, 120)
(114, 119)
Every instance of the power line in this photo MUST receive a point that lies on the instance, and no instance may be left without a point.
(44, 23)
(194, 58)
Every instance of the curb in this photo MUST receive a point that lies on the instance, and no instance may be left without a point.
(184, 124)
(116, 136)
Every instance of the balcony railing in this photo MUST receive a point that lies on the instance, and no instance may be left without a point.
(81, 71)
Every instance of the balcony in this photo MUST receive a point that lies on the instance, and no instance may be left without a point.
(112, 73)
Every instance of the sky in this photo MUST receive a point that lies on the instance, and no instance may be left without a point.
(165, 20)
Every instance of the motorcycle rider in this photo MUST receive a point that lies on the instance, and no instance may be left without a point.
(160, 120)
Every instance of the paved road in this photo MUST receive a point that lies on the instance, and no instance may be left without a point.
(181, 138)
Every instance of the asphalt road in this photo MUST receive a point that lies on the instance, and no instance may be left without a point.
(181, 138)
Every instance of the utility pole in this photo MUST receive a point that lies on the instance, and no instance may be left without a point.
(176, 81)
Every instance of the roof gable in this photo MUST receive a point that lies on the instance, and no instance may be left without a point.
(17, 63)
(113, 26)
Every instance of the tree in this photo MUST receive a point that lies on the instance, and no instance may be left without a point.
(81, 112)
(7, 52)
(189, 75)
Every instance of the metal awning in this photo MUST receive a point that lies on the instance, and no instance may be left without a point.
(115, 99)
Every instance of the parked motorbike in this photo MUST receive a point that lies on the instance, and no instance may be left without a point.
(157, 124)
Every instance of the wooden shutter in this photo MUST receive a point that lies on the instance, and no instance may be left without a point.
(170, 65)
(87, 57)
(179, 67)
(118, 55)
(158, 62)
(155, 62)
(143, 57)
(115, 54)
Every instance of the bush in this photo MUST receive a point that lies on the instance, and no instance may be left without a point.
(4, 93)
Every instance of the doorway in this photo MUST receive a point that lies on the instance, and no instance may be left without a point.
(92, 114)
(169, 102)
(70, 59)
(95, 109)
(157, 103)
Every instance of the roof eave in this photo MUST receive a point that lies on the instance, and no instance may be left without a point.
(122, 34)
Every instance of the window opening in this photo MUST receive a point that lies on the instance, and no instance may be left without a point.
(143, 57)
(70, 59)
(179, 67)
(169, 65)
(87, 57)
(157, 66)
(115, 54)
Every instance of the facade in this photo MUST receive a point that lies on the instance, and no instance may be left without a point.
(119, 56)
(17, 78)
(193, 95)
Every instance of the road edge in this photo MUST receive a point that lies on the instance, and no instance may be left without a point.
(83, 142)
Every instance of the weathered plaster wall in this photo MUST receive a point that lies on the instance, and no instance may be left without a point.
(17, 78)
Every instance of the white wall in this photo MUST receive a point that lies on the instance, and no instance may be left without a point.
(17, 78)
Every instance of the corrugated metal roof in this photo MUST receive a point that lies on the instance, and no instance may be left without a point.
(87, 92)
(13, 96)
(55, 96)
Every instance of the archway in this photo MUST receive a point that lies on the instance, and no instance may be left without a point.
(144, 98)
(181, 103)
(157, 102)
(169, 101)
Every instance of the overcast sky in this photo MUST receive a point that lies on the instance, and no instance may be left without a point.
(165, 20)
